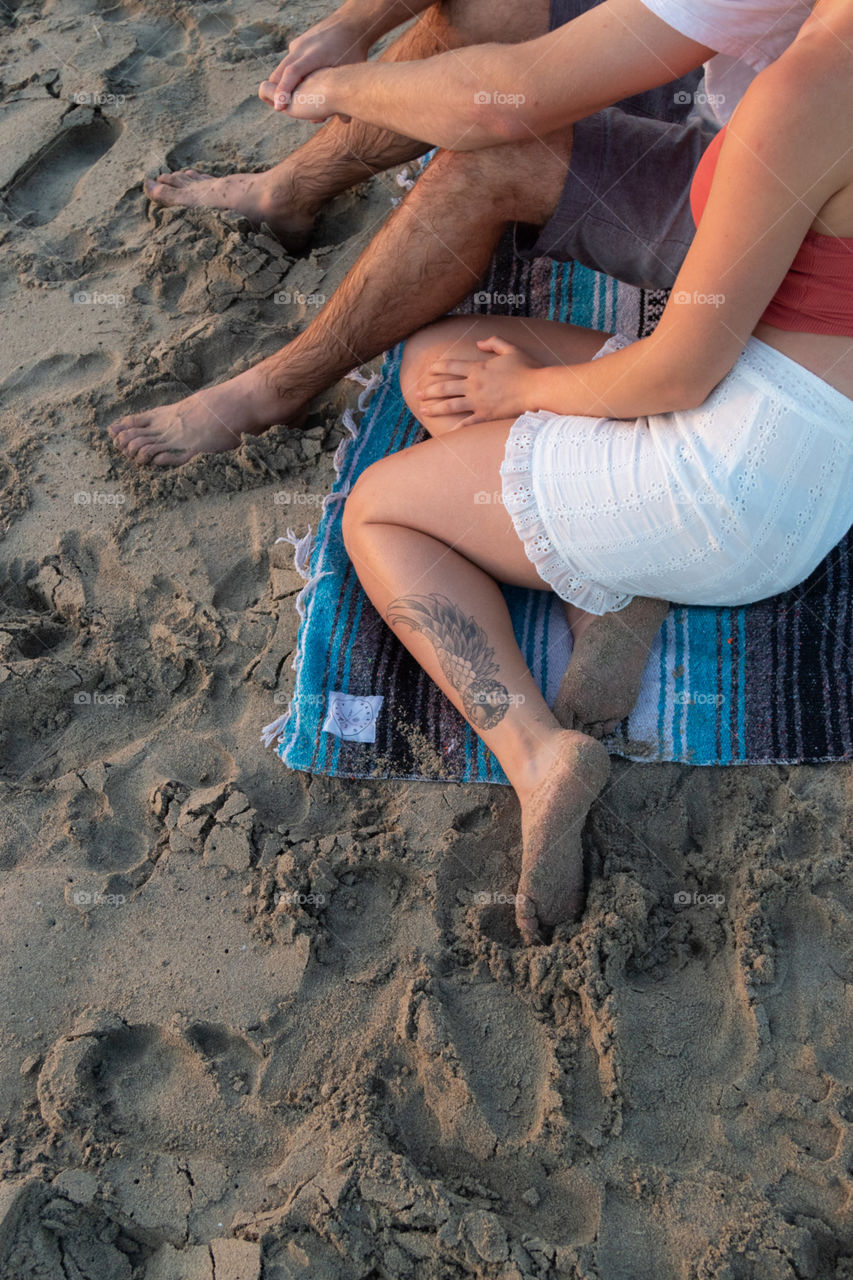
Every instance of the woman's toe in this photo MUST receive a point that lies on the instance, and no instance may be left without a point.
(527, 919)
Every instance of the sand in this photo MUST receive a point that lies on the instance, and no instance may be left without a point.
(259, 1024)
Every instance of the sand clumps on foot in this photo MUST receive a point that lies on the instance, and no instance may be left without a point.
(550, 890)
(603, 677)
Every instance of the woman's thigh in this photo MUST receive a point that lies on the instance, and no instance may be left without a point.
(449, 488)
(548, 341)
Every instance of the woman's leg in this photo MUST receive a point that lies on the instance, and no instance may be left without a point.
(609, 656)
(609, 653)
(428, 555)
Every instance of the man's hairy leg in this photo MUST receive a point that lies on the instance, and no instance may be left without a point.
(430, 253)
(288, 196)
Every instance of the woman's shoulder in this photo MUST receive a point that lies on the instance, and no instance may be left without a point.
(805, 97)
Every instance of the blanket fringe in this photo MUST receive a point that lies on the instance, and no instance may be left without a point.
(302, 550)
(369, 384)
(274, 733)
(338, 496)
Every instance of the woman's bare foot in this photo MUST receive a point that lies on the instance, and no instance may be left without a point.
(255, 195)
(550, 890)
(609, 655)
(209, 421)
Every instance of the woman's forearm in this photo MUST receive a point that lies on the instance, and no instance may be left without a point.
(637, 380)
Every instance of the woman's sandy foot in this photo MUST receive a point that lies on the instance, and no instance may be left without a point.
(551, 889)
(209, 421)
(609, 655)
(251, 194)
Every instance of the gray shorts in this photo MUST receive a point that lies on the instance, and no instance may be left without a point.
(625, 208)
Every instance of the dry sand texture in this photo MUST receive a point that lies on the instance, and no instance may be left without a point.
(256, 1023)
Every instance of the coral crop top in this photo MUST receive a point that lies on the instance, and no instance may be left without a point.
(816, 295)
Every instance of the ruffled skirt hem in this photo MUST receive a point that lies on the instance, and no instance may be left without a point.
(520, 502)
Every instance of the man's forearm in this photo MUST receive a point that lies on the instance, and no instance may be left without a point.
(438, 100)
(481, 95)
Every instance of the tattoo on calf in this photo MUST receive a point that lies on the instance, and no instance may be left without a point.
(465, 656)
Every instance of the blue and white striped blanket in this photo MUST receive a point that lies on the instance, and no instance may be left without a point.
(769, 682)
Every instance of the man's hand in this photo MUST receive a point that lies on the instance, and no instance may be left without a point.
(486, 390)
(331, 43)
(314, 98)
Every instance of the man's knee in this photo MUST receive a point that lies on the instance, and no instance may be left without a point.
(496, 21)
(509, 182)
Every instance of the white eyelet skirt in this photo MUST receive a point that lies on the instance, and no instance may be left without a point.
(725, 504)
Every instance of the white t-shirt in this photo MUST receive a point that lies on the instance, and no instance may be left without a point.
(747, 34)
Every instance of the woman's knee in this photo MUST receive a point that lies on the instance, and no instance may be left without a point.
(363, 504)
(425, 347)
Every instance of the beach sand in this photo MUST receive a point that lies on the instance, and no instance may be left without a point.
(259, 1024)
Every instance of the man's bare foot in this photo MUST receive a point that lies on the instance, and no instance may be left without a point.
(209, 421)
(255, 195)
(609, 655)
(550, 889)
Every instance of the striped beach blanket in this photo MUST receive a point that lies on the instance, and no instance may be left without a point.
(770, 682)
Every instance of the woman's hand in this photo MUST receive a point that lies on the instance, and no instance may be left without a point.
(486, 390)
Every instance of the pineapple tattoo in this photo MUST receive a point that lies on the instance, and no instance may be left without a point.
(461, 646)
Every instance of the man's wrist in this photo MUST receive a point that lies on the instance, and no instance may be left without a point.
(336, 86)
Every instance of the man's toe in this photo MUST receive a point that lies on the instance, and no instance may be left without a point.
(134, 443)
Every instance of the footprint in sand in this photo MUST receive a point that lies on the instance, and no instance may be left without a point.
(46, 182)
(191, 1094)
(483, 1064)
(158, 57)
(45, 668)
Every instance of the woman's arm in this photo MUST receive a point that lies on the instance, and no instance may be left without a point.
(786, 152)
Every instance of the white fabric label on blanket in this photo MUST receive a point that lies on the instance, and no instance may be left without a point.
(353, 716)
